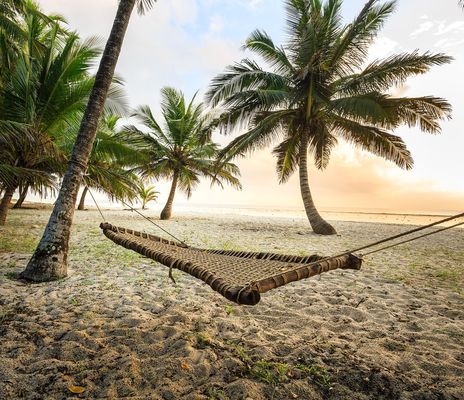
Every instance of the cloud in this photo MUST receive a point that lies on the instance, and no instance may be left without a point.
(216, 24)
(381, 48)
(254, 3)
(453, 27)
(423, 27)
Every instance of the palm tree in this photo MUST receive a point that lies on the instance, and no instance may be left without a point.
(44, 90)
(110, 162)
(146, 194)
(13, 35)
(320, 89)
(12, 137)
(49, 260)
(181, 150)
(36, 187)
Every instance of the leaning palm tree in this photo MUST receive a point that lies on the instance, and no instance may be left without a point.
(319, 89)
(49, 260)
(181, 150)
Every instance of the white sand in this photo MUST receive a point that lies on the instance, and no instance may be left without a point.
(118, 328)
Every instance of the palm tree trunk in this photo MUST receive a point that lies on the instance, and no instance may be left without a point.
(319, 225)
(22, 197)
(81, 205)
(5, 203)
(49, 261)
(167, 210)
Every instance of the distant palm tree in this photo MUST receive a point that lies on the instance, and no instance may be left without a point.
(181, 150)
(146, 194)
(49, 260)
(320, 88)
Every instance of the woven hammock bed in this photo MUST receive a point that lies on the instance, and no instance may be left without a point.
(239, 276)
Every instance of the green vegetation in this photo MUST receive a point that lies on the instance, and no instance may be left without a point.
(318, 88)
(19, 243)
(230, 310)
(18, 237)
(276, 373)
(181, 149)
(271, 373)
(110, 163)
(215, 393)
(318, 374)
(73, 301)
(146, 194)
(44, 89)
(201, 340)
(11, 275)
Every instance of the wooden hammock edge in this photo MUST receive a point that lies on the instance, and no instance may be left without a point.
(246, 295)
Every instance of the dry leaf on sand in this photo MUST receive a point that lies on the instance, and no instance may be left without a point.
(76, 389)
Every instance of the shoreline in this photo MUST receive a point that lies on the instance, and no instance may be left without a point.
(397, 218)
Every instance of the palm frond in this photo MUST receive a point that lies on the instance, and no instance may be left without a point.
(267, 128)
(287, 153)
(393, 71)
(144, 5)
(352, 50)
(321, 144)
(425, 112)
(14, 176)
(374, 140)
(240, 77)
(261, 43)
(319, 82)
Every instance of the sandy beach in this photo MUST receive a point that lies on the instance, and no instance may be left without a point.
(118, 328)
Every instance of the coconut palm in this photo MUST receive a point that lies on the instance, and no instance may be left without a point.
(320, 87)
(146, 194)
(109, 165)
(16, 19)
(49, 260)
(14, 34)
(181, 149)
(39, 189)
(48, 85)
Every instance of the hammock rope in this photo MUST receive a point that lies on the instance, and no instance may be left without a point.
(95, 201)
(409, 232)
(415, 238)
(138, 212)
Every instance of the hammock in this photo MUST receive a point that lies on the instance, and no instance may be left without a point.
(239, 276)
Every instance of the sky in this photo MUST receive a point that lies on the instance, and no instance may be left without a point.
(185, 43)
